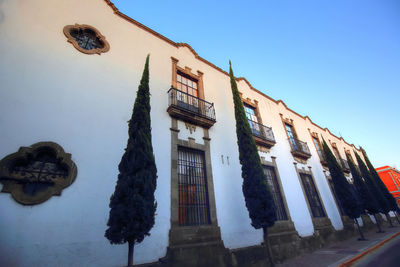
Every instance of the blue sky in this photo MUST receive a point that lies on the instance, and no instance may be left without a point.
(336, 61)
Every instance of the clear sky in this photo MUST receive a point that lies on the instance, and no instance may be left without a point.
(336, 61)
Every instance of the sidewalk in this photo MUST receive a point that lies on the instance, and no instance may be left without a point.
(338, 253)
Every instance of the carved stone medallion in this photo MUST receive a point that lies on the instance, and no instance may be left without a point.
(36, 173)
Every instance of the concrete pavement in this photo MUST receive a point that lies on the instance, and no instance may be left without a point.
(343, 252)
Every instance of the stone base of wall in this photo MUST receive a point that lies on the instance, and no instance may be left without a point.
(368, 224)
(284, 241)
(283, 238)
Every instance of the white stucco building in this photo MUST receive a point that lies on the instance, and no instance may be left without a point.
(54, 91)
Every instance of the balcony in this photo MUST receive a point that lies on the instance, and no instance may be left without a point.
(345, 165)
(299, 149)
(262, 134)
(323, 159)
(191, 109)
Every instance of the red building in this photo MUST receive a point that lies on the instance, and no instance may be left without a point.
(391, 177)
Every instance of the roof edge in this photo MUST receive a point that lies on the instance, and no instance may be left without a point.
(177, 45)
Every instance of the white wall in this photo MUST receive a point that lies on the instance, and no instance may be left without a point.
(52, 92)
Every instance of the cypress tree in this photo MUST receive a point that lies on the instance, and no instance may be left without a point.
(342, 187)
(256, 191)
(132, 205)
(390, 201)
(373, 203)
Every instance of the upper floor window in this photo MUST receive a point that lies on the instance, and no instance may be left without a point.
(186, 84)
(318, 147)
(292, 135)
(350, 156)
(250, 113)
(186, 97)
(336, 152)
(253, 120)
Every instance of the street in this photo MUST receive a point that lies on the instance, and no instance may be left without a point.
(386, 256)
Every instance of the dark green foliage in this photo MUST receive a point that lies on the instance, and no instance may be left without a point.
(390, 200)
(374, 188)
(342, 187)
(132, 206)
(364, 196)
(370, 195)
(256, 191)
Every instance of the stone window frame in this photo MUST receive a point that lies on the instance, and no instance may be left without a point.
(16, 190)
(348, 152)
(254, 105)
(67, 32)
(273, 164)
(291, 123)
(324, 163)
(179, 234)
(334, 147)
(187, 71)
(309, 172)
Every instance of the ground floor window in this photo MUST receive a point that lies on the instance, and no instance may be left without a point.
(312, 195)
(276, 192)
(192, 188)
(341, 210)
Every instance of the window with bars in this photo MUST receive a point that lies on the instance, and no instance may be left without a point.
(192, 188)
(341, 210)
(312, 195)
(272, 181)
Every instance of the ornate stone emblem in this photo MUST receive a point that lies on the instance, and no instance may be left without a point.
(36, 173)
(87, 39)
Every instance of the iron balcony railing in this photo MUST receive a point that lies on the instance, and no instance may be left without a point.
(192, 104)
(261, 131)
(299, 146)
(344, 163)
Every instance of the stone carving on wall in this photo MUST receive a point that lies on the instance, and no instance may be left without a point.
(190, 127)
(36, 173)
(86, 39)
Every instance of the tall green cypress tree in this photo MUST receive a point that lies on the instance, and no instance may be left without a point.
(373, 204)
(342, 187)
(132, 206)
(390, 201)
(367, 201)
(255, 188)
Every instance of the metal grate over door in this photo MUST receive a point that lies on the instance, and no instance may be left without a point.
(192, 188)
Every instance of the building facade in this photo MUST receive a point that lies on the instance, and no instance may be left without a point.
(69, 72)
(391, 177)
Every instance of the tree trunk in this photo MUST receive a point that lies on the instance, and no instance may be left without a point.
(378, 224)
(389, 220)
(397, 218)
(362, 238)
(266, 243)
(130, 253)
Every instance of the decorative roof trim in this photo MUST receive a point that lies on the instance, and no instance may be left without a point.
(162, 37)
